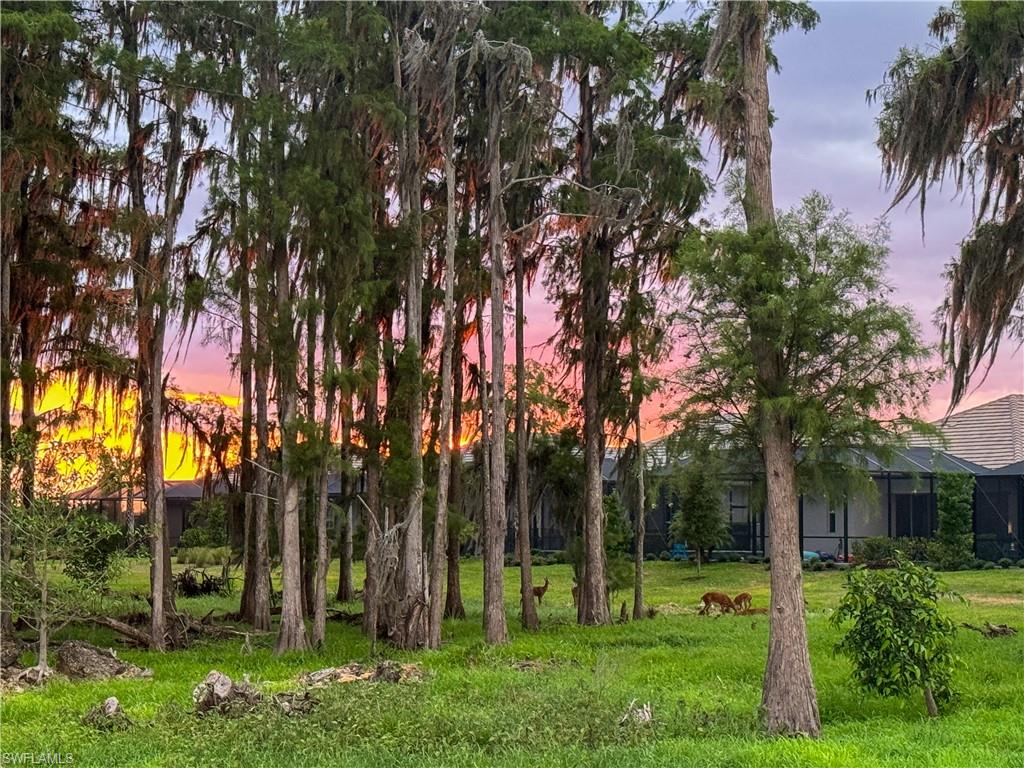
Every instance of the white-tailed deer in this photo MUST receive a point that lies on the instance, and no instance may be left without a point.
(538, 592)
(722, 600)
(742, 601)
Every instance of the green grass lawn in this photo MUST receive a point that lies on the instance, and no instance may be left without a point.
(701, 676)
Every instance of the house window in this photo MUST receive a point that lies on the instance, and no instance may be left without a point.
(831, 521)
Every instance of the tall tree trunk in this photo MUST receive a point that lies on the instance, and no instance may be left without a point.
(453, 607)
(639, 515)
(323, 550)
(495, 626)
(346, 590)
(372, 520)
(483, 403)
(6, 437)
(789, 698)
(149, 274)
(245, 363)
(404, 606)
(594, 274)
(28, 372)
(292, 633)
(307, 527)
(530, 618)
(439, 553)
(260, 578)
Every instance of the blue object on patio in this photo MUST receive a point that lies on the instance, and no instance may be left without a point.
(810, 555)
(680, 552)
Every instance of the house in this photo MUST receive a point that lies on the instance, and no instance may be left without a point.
(986, 441)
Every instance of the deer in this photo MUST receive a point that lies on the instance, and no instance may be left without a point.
(742, 601)
(722, 600)
(538, 592)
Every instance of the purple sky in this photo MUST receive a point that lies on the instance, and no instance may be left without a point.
(824, 140)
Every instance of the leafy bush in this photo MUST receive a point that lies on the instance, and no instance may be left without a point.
(665, 556)
(1005, 562)
(988, 565)
(755, 559)
(207, 524)
(194, 537)
(881, 550)
(955, 503)
(95, 550)
(817, 565)
(650, 557)
(899, 641)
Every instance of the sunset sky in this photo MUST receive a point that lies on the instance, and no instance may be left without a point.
(824, 140)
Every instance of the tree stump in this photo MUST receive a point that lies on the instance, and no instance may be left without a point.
(107, 716)
(218, 693)
(81, 661)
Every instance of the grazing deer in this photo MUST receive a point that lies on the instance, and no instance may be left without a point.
(722, 600)
(575, 595)
(742, 601)
(538, 592)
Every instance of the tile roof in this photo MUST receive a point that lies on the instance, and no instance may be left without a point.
(990, 434)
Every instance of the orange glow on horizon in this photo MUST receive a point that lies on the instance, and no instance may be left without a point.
(112, 424)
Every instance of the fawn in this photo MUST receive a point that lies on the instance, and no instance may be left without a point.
(742, 601)
(722, 600)
(538, 592)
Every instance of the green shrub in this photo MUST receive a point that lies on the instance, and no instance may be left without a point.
(988, 565)
(207, 524)
(817, 565)
(881, 550)
(954, 504)
(1005, 562)
(201, 556)
(94, 550)
(899, 641)
(664, 555)
(194, 537)
(978, 564)
(755, 559)
(183, 556)
(650, 557)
